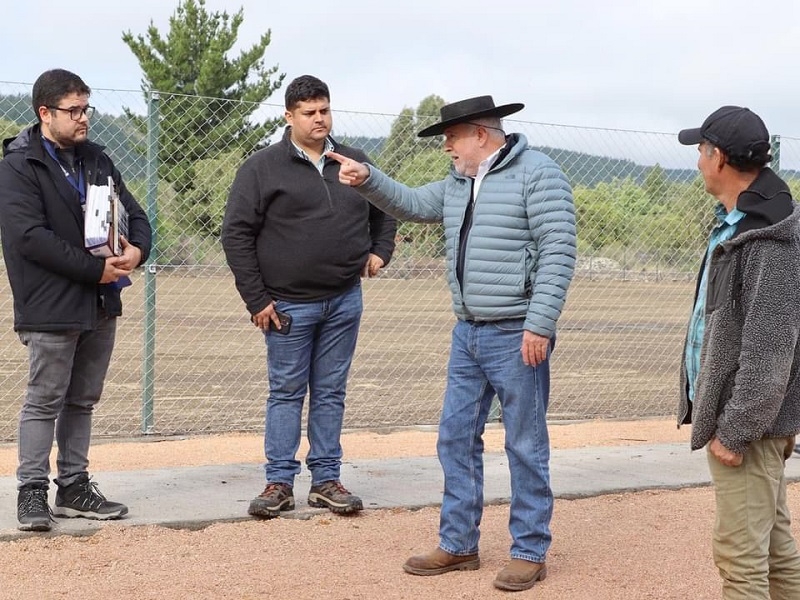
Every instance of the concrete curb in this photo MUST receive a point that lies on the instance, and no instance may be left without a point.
(195, 497)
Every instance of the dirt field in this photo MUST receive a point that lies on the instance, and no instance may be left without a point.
(617, 355)
(647, 545)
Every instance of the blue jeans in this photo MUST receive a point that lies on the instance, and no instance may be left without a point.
(315, 356)
(485, 360)
(67, 373)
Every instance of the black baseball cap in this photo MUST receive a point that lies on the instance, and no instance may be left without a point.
(735, 130)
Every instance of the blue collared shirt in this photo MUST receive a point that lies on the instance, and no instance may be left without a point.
(726, 227)
(321, 162)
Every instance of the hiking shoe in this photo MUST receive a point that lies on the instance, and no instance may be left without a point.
(83, 499)
(335, 497)
(269, 503)
(33, 512)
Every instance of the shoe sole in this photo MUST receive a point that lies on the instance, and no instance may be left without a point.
(467, 565)
(265, 512)
(523, 585)
(319, 501)
(41, 526)
(71, 513)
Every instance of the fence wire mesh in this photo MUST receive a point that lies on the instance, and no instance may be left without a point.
(188, 361)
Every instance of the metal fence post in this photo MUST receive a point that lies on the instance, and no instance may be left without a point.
(775, 143)
(149, 350)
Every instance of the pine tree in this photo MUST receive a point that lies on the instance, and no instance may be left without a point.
(206, 98)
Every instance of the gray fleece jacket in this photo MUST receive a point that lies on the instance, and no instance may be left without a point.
(748, 386)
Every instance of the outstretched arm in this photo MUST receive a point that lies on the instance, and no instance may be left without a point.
(422, 204)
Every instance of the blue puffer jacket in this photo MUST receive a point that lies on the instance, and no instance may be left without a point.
(520, 253)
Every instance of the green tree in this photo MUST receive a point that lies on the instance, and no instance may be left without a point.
(403, 143)
(619, 220)
(794, 186)
(426, 166)
(416, 161)
(17, 108)
(214, 179)
(428, 112)
(207, 98)
(600, 221)
(9, 129)
(400, 143)
(655, 183)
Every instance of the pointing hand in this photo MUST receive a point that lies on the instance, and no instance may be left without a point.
(351, 172)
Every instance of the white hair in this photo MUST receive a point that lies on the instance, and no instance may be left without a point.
(493, 124)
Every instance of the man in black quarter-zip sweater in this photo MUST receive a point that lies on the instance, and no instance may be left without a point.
(298, 242)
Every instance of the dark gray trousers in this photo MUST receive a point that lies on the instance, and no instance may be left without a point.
(66, 375)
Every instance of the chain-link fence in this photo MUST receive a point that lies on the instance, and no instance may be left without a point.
(187, 359)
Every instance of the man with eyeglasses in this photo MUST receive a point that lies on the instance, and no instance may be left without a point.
(509, 223)
(66, 300)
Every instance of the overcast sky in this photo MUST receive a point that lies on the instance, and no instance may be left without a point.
(657, 65)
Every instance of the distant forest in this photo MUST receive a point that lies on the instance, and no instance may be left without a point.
(122, 141)
(126, 146)
(588, 169)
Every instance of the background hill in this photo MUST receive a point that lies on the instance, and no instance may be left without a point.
(125, 144)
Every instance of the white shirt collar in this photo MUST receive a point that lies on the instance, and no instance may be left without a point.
(483, 169)
(321, 162)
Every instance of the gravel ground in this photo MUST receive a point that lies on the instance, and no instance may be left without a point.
(631, 546)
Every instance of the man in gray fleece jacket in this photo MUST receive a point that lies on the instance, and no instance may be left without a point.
(740, 377)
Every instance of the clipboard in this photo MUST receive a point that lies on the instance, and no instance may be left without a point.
(105, 220)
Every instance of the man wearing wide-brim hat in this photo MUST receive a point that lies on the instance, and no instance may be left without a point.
(509, 224)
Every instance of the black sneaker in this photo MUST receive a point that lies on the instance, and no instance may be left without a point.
(33, 512)
(269, 503)
(83, 499)
(335, 497)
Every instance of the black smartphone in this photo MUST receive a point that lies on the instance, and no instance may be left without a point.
(286, 323)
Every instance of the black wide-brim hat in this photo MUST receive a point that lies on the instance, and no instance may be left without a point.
(468, 110)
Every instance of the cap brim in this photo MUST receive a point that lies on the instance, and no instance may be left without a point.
(498, 111)
(690, 137)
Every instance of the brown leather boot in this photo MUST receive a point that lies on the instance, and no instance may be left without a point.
(439, 561)
(520, 575)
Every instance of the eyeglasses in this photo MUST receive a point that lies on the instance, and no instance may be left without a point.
(76, 113)
(484, 126)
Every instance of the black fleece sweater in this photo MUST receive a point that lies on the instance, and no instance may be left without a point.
(290, 233)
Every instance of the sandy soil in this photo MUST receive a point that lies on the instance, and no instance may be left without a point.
(647, 545)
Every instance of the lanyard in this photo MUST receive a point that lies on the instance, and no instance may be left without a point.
(79, 184)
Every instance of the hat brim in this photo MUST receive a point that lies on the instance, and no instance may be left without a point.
(498, 111)
(690, 137)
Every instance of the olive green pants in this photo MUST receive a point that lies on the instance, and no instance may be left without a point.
(753, 545)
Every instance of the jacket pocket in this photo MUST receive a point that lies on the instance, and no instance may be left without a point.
(527, 272)
(719, 283)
